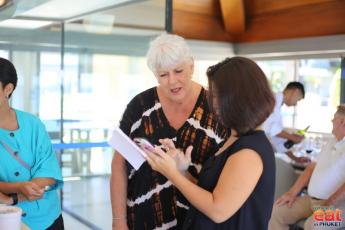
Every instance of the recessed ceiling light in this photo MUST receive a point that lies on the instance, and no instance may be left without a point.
(24, 24)
(66, 9)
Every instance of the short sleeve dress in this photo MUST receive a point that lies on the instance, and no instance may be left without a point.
(32, 144)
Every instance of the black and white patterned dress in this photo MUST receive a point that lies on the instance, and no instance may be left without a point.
(152, 201)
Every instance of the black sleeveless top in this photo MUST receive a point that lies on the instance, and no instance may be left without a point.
(256, 210)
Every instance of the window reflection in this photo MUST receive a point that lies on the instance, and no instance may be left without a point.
(279, 74)
(321, 78)
(4, 54)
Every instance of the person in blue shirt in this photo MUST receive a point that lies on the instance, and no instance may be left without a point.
(29, 170)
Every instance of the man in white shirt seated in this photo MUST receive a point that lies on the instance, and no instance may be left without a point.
(326, 187)
(273, 126)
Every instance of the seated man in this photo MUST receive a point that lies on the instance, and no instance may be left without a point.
(326, 185)
(273, 126)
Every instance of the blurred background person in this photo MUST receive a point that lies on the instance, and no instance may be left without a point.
(177, 109)
(29, 170)
(273, 126)
(325, 179)
(235, 188)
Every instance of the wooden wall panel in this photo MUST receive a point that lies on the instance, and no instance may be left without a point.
(205, 7)
(325, 17)
(197, 26)
(310, 20)
(258, 7)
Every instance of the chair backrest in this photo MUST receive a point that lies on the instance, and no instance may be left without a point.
(285, 177)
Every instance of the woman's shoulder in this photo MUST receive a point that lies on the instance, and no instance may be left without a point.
(256, 134)
(146, 96)
(27, 117)
(256, 140)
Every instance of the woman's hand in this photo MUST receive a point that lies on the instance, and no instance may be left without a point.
(170, 162)
(182, 160)
(30, 190)
(4, 199)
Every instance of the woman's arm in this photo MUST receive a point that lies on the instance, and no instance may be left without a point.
(118, 191)
(44, 182)
(27, 189)
(236, 182)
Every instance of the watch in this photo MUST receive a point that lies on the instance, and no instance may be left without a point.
(14, 197)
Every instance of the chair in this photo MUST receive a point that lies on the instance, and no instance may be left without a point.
(285, 177)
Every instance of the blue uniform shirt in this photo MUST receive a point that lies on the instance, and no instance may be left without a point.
(33, 145)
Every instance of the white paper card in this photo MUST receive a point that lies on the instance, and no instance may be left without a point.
(127, 148)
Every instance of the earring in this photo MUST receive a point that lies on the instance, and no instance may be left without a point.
(7, 96)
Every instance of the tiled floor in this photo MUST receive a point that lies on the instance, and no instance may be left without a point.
(89, 199)
(73, 224)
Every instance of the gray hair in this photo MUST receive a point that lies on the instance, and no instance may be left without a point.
(167, 51)
(341, 109)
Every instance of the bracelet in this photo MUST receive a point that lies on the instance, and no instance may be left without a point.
(14, 197)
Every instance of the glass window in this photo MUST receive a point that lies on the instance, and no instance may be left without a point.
(49, 86)
(279, 74)
(321, 78)
(4, 54)
(98, 88)
(26, 96)
(200, 68)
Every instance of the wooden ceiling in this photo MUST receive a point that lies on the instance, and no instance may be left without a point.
(241, 21)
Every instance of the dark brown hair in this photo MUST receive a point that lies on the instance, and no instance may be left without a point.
(8, 73)
(244, 97)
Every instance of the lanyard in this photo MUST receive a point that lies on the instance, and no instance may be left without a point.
(15, 156)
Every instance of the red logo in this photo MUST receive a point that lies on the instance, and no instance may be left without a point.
(327, 216)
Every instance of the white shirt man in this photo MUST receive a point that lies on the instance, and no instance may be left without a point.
(326, 185)
(329, 172)
(273, 126)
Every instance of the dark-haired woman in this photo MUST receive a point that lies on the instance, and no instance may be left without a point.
(29, 169)
(236, 185)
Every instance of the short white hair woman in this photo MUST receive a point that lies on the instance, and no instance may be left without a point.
(177, 108)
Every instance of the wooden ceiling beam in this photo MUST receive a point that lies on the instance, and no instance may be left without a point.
(233, 16)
